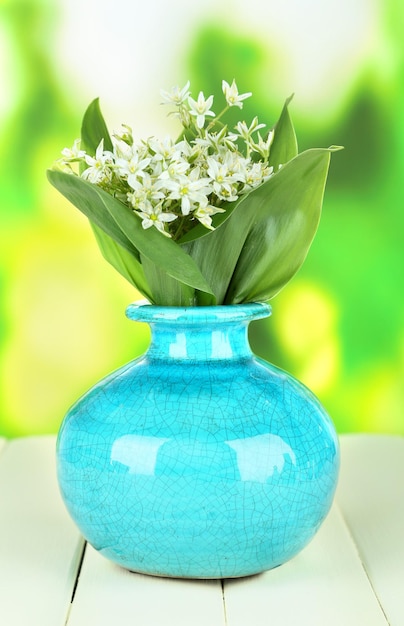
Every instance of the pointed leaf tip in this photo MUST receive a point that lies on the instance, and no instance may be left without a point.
(94, 128)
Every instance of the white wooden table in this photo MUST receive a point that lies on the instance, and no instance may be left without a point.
(352, 573)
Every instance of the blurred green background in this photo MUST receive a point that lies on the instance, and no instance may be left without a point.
(338, 326)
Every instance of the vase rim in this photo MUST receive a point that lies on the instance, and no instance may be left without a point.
(145, 312)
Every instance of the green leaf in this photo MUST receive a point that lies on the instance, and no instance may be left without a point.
(287, 214)
(218, 219)
(217, 254)
(166, 290)
(124, 262)
(286, 209)
(284, 145)
(94, 128)
(120, 223)
(85, 197)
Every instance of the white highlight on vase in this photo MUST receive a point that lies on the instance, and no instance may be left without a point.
(178, 350)
(221, 346)
(259, 457)
(138, 453)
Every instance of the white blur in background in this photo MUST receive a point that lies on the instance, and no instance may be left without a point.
(124, 52)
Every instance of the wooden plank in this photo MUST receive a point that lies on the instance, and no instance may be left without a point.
(39, 546)
(371, 497)
(107, 594)
(324, 585)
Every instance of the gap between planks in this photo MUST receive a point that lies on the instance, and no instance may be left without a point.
(76, 582)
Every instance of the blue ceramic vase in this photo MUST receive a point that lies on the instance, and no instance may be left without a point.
(198, 459)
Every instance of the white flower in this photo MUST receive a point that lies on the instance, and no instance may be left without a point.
(204, 214)
(175, 169)
(133, 168)
(218, 141)
(190, 190)
(201, 108)
(164, 150)
(98, 170)
(144, 191)
(245, 131)
(154, 216)
(176, 96)
(223, 179)
(122, 150)
(235, 163)
(256, 175)
(74, 152)
(233, 98)
(197, 152)
(263, 147)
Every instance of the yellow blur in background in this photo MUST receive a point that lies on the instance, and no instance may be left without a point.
(338, 326)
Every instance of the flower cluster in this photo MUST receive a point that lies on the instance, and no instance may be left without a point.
(173, 185)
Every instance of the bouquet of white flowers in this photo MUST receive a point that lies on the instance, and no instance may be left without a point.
(219, 216)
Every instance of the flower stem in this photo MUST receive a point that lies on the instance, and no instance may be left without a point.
(217, 118)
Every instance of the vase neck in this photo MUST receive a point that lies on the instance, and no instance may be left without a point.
(199, 333)
(200, 343)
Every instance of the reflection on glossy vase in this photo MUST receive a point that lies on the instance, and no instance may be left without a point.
(198, 459)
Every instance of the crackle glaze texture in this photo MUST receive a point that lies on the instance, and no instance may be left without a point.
(198, 459)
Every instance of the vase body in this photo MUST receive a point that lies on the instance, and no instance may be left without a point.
(198, 459)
